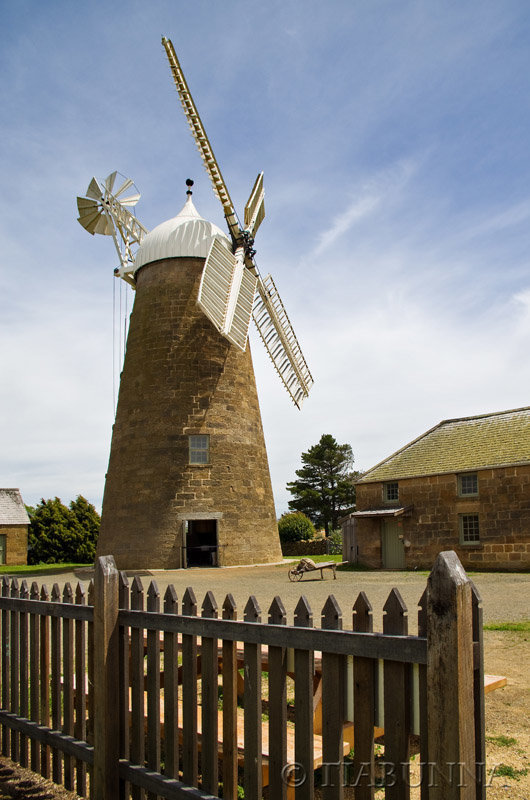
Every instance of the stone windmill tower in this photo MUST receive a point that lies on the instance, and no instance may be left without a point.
(188, 480)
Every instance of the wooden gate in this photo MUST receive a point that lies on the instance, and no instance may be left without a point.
(116, 698)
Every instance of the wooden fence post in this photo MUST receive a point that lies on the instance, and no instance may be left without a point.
(480, 710)
(106, 683)
(450, 708)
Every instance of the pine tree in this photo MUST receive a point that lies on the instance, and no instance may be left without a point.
(324, 490)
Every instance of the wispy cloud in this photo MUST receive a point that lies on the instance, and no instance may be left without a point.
(382, 186)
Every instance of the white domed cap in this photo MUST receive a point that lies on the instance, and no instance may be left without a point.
(187, 235)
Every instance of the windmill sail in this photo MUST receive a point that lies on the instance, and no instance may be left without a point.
(280, 341)
(201, 140)
(228, 281)
(226, 293)
(255, 207)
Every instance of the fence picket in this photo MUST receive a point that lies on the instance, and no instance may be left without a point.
(137, 687)
(363, 706)
(68, 685)
(34, 677)
(123, 700)
(422, 681)
(90, 678)
(277, 706)
(14, 632)
(80, 690)
(153, 687)
(397, 705)
(450, 703)
(24, 672)
(190, 766)
(303, 709)
(56, 683)
(44, 681)
(478, 693)
(171, 689)
(209, 700)
(230, 675)
(106, 694)
(6, 670)
(332, 709)
(252, 775)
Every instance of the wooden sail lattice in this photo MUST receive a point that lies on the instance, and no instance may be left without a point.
(280, 341)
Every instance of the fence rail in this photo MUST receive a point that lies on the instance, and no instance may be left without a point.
(122, 694)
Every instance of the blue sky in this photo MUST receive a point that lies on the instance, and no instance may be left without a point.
(394, 138)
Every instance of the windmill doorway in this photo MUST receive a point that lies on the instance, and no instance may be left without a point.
(200, 548)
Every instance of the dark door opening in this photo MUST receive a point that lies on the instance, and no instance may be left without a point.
(201, 543)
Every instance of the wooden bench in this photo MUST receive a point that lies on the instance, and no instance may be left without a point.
(491, 683)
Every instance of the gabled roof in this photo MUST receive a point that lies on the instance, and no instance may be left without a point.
(12, 509)
(459, 445)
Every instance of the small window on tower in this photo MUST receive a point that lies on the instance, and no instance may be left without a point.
(199, 449)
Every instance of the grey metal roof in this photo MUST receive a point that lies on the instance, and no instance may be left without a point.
(12, 509)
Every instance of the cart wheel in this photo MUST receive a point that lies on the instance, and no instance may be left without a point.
(294, 575)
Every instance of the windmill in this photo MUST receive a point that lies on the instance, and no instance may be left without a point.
(188, 481)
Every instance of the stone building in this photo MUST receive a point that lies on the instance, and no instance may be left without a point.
(14, 523)
(464, 485)
(188, 480)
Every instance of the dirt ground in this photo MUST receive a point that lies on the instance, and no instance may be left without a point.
(505, 598)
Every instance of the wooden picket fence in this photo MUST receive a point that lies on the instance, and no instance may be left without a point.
(114, 700)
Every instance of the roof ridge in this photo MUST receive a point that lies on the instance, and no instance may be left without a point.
(483, 416)
(400, 451)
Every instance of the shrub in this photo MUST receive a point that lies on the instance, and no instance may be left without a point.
(59, 534)
(295, 527)
(335, 542)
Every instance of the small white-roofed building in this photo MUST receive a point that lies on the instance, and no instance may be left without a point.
(14, 522)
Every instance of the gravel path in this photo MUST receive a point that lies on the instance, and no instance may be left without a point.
(505, 596)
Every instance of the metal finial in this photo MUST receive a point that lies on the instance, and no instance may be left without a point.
(189, 184)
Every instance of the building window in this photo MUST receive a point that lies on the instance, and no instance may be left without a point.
(468, 484)
(469, 529)
(199, 449)
(390, 491)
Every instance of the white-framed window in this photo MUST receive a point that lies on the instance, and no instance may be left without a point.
(199, 447)
(468, 484)
(469, 529)
(390, 491)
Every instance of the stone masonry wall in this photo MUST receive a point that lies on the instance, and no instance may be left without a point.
(181, 377)
(503, 506)
(16, 543)
(311, 547)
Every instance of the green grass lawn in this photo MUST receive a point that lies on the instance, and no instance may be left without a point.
(336, 558)
(523, 626)
(38, 569)
(315, 558)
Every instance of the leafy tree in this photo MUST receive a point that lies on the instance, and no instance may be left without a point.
(295, 527)
(324, 489)
(61, 534)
